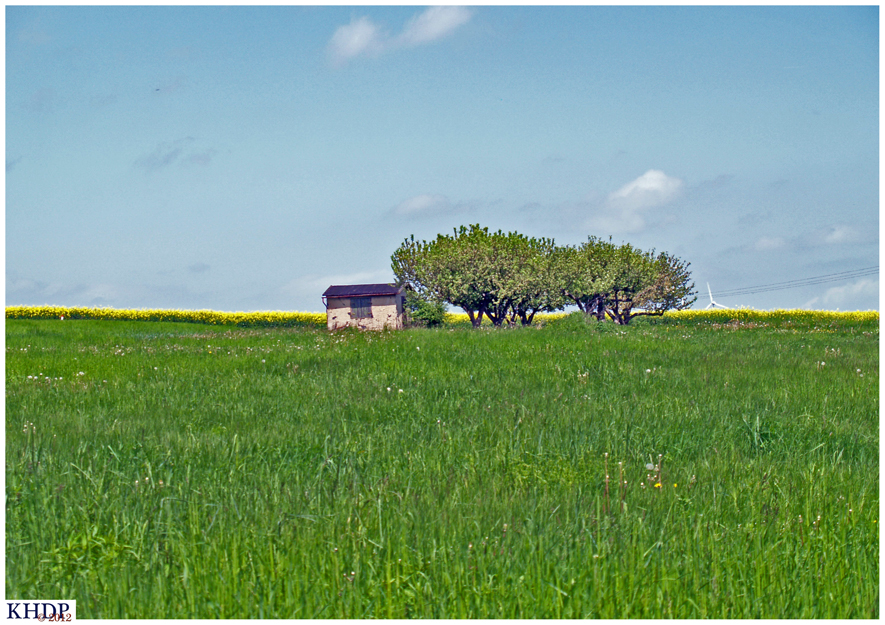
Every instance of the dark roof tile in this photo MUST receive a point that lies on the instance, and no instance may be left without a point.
(361, 290)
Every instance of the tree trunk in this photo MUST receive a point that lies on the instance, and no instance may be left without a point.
(600, 308)
(623, 317)
(498, 315)
(614, 315)
(475, 320)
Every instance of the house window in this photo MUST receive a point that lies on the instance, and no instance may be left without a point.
(361, 307)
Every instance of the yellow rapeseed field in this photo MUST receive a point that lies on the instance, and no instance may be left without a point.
(280, 318)
(272, 318)
(724, 316)
(761, 316)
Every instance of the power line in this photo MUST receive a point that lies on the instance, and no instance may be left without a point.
(792, 284)
(804, 282)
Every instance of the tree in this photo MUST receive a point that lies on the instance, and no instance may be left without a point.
(645, 284)
(463, 270)
(504, 277)
(455, 269)
(405, 261)
(534, 285)
(584, 274)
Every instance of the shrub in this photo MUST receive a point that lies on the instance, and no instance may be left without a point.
(424, 312)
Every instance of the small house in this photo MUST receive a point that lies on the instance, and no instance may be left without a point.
(364, 306)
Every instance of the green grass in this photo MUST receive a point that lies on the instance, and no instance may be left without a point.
(296, 485)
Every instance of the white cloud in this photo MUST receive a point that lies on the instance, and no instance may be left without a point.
(651, 189)
(424, 204)
(98, 293)
(34, 292)
(434, 23)
(843, 296)
(840, 234)
(362, 37)
(624, 210)
(769, 243)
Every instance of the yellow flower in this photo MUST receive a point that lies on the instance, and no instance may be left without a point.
(658, 485)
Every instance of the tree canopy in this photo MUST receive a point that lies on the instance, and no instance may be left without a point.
(510, 277)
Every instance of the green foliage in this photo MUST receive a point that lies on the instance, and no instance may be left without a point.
(533, 284)
(645, 284)
(513, 277)
(171, 470)
(585, 275)
(504, 277)
(623, 282)
(424, 312)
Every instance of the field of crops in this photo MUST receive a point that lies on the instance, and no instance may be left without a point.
(689, 466)
(299, 319)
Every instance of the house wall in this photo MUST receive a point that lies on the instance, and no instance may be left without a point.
(387, 312)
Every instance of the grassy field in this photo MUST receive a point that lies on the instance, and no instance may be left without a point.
(671, 468)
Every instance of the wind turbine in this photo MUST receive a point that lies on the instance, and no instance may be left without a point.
(713, 304)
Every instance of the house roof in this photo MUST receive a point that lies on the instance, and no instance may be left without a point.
(361, 290)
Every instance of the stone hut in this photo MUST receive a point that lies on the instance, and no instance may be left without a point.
(364, 306)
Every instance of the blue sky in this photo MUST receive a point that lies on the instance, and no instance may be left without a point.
(240, 158)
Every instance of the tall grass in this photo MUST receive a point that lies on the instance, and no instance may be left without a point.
(170, 470)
